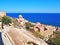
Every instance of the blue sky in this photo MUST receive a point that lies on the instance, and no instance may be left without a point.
(30, 6)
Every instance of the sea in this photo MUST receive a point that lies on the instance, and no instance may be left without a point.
(44, 18)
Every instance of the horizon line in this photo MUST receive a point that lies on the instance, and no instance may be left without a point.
(23, 12)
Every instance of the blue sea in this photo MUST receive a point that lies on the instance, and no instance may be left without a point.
(43, 18)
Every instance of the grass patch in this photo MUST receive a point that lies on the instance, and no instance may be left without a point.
(37, 34)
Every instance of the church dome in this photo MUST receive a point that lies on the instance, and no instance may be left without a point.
(20, 16)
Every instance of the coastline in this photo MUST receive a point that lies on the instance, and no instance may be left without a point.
(44, 18)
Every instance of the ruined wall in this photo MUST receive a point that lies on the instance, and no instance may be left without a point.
(2, 14)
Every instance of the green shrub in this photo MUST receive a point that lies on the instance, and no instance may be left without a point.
(55, 40)
(37, 34)
(6, 20)
(28, 25)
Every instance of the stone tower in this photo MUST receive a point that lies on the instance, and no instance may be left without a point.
(2, 14)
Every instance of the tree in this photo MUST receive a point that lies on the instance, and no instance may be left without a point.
(6, 20)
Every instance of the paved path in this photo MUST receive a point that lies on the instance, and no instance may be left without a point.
(21, 37)
(15, 36)
(6, 39)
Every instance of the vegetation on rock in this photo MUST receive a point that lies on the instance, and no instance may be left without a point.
(56, 39)
(37, 34)
(28, 25)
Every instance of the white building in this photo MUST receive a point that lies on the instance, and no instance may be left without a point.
(21, 21)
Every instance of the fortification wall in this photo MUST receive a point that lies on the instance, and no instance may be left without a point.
(2, 14)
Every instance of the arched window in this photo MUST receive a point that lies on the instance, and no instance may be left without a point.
(38, 29)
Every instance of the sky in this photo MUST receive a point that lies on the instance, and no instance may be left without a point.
(30, 6)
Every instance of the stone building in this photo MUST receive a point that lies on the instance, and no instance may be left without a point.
(2, 14)
(44, 30)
